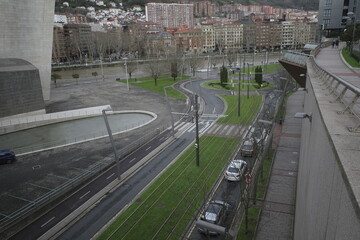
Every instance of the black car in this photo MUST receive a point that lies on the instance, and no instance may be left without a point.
(214, 213)
(7, 156)
(247, 148)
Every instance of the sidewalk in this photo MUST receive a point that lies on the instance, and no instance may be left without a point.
(278, 209)
(331, 60)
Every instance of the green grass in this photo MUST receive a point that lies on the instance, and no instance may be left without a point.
(263, 178)
(148, 83)
(186, 180)
(253, 86)
(253, 214)
(350, 60)
(266, 69)
(246, 115)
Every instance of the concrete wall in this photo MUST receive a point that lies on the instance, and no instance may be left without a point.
(326, 199)
(27, 33)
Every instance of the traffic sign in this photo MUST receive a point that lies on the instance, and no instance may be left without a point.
(248, 178)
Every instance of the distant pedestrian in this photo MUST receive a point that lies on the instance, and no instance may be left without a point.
(337, 43)
(333, 44)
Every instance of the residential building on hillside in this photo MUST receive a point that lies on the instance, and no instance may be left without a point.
(204, 9)
(170, 14)
(333, 15)
(78, 38)
(58, 46)
(209, 36)
(190, 40)
(287, 35)
(161, 44)
(228, 36)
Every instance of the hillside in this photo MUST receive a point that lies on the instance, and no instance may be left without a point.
(299, 4)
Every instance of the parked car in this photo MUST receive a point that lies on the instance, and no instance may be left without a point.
(214, 213)
(7, 156)
(235, 170)
(248, 148)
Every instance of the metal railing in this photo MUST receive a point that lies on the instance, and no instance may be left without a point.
(345, 92)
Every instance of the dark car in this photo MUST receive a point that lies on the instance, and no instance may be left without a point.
(247, 148)
(214, 213)
(7, 156)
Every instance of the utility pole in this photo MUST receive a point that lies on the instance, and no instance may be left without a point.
(239, 93)
(197, 144)
(117, 159)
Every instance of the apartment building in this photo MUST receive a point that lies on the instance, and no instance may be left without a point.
(78, 38)
(333, 14)
(228, 36)
(204, 9)
(170, 14)
(287, 35)
(190, 40)
(58, 47)
(209, 36)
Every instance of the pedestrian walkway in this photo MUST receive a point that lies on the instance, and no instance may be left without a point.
(278, 208)
(331, 60)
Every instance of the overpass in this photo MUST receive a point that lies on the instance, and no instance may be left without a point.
(328, 184)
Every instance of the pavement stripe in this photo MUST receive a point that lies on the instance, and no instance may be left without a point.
(230, 129)
(48, 221)
(217, 129)
(178, 126)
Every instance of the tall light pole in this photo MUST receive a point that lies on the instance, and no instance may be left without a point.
(352, 15)
(102, 69)
(126, 73)
(197, 144)
(117, 158)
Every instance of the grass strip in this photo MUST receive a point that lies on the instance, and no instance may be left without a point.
(180, 181)
(254, 101)
(148, 83)
(253, 213)
(349, 59)
(253, 86)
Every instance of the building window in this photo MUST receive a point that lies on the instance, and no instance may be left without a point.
(326, 22)
(327, 12)
(328, 2)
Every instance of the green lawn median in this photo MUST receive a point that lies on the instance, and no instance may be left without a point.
(148, 83)
(183, 187)
(249, 108)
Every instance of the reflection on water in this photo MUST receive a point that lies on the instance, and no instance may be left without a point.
(70, 132)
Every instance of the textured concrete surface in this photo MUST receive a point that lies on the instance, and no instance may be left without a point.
(277, 216)
(328, 195)
(27, 33)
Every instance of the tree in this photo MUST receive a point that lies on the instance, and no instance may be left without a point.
(231, 56)
(55, 77)
(176, 65)
(258, 75)
(76, 76)
(154, 68)
(195, 62)
(223, 75)
(131, 67)
(94, 75)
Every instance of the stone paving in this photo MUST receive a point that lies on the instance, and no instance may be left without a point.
(278, 209)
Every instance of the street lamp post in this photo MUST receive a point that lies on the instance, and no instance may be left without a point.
(117, 158)
(352, 15)
(126, 74)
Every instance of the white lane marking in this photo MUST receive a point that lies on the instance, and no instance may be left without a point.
(207, 126)
(192, 128)
(161, 138)
(213, 111)
(185, 127)
(110, 176)
(84, 194)
(48, 221)
(178, 126)
(226, 127)
(147, 148)
(217, 129)
(132, 160)
(230, 129)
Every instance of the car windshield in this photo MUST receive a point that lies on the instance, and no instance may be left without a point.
(247, 147)
(233, 170)
(213, 208)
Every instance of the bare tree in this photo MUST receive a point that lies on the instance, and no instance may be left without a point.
(154, 68)
(195, 62)
(131, 67)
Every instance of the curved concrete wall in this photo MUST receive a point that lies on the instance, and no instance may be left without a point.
(27, 33)
(327, 193)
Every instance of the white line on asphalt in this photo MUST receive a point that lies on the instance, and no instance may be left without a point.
(224, 129)
(178, 126)
(84, 194)
(192, 128)
(110, 176)
(132, 160)
(48, 221)
(148, 148)
(185, 126)
(230, 129)
(161, 139)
